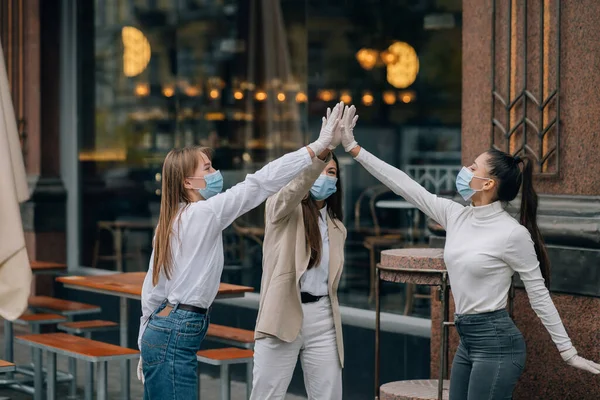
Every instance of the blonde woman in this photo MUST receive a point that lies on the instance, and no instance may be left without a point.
(299, 315)
(187, 259)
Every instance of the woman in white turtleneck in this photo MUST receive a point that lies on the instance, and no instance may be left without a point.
(485, 246)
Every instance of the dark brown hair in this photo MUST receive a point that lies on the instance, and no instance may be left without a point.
(310, 214)
(510, 178)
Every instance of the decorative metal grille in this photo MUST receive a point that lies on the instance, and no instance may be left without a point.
(526, 108)
(12, 36)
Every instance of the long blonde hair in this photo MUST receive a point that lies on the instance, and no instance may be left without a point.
(179, 164)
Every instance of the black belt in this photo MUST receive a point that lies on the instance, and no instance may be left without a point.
(306, 297)
(194, 309)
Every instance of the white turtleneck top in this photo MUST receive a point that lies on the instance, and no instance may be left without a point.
(484, 247)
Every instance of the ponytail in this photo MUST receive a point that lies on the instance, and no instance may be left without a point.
(510, 178)
(528, 218)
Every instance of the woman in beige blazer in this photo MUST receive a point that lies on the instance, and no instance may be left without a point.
(299, 315)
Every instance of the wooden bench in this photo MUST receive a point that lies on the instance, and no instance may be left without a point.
(224, 358)
(231, 336)
(6, 366)
(90, 351)
(64, 307)
(69, 309)
(86, 328)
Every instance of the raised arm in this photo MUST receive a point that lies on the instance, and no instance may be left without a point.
(433, 206)
(520, 255)
(281, 204)
(267, 181)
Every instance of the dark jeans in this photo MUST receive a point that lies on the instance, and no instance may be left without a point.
(169, 346)
(490, 357)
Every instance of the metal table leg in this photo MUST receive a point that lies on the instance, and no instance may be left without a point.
(73, 372)
(225, 388)
(50, 376)
(124, 319)
(102, 381)
(89, 375)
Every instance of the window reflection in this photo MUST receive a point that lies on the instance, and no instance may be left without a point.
(251, 79)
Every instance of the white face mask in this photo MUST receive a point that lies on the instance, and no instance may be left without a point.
(463, 183)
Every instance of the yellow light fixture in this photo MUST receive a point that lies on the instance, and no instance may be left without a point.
(388, 57)
(168, 91)
(346, 97)
(238, 95)
(261, 95)
(136, 51)
(192, 91)
(301, 97)
(281, 96)
(142, 89)
(407, 96)
(389, 97)
(367, 58)
(367, 99)
(213, 94)
(326, 95)
(403, 72)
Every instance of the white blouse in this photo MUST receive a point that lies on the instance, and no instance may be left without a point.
(484, 247)
(314, 280)
(197, 241)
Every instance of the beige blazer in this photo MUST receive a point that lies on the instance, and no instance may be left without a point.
(285, 259)
(15, 271)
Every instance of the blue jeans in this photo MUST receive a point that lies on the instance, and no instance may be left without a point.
(169, 346)
(490, 357)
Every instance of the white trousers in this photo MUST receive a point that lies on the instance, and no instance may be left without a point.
(275, 360)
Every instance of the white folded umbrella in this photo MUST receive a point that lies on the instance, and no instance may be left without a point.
(15, 271)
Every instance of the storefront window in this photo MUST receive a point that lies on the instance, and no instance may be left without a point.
(252, 79)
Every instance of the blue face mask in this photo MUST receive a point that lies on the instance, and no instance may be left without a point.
(214, 185)
(323, 187)
(463, 183)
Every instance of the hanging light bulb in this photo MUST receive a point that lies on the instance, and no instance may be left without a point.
(238, 95)
(213, 94)
(260, 95)
(367, 58)
(142, 89)
(281, 96)
(389, 97)
(168, 91)
(367, 98)
(301, 97)
(346, 97)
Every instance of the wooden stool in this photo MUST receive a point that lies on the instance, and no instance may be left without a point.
(413, 390)
(117, 230)
(224, 358)
(87, 350)
(69, 309)
(231, 336)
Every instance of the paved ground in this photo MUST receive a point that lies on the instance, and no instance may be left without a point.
(209, 385)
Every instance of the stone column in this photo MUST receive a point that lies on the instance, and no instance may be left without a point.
(44, 214)
(569, 182)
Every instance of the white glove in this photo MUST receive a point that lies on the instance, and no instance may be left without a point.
(140, 371)
(348, 123)
(327, 131)
(337, 134)
(570, 357)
